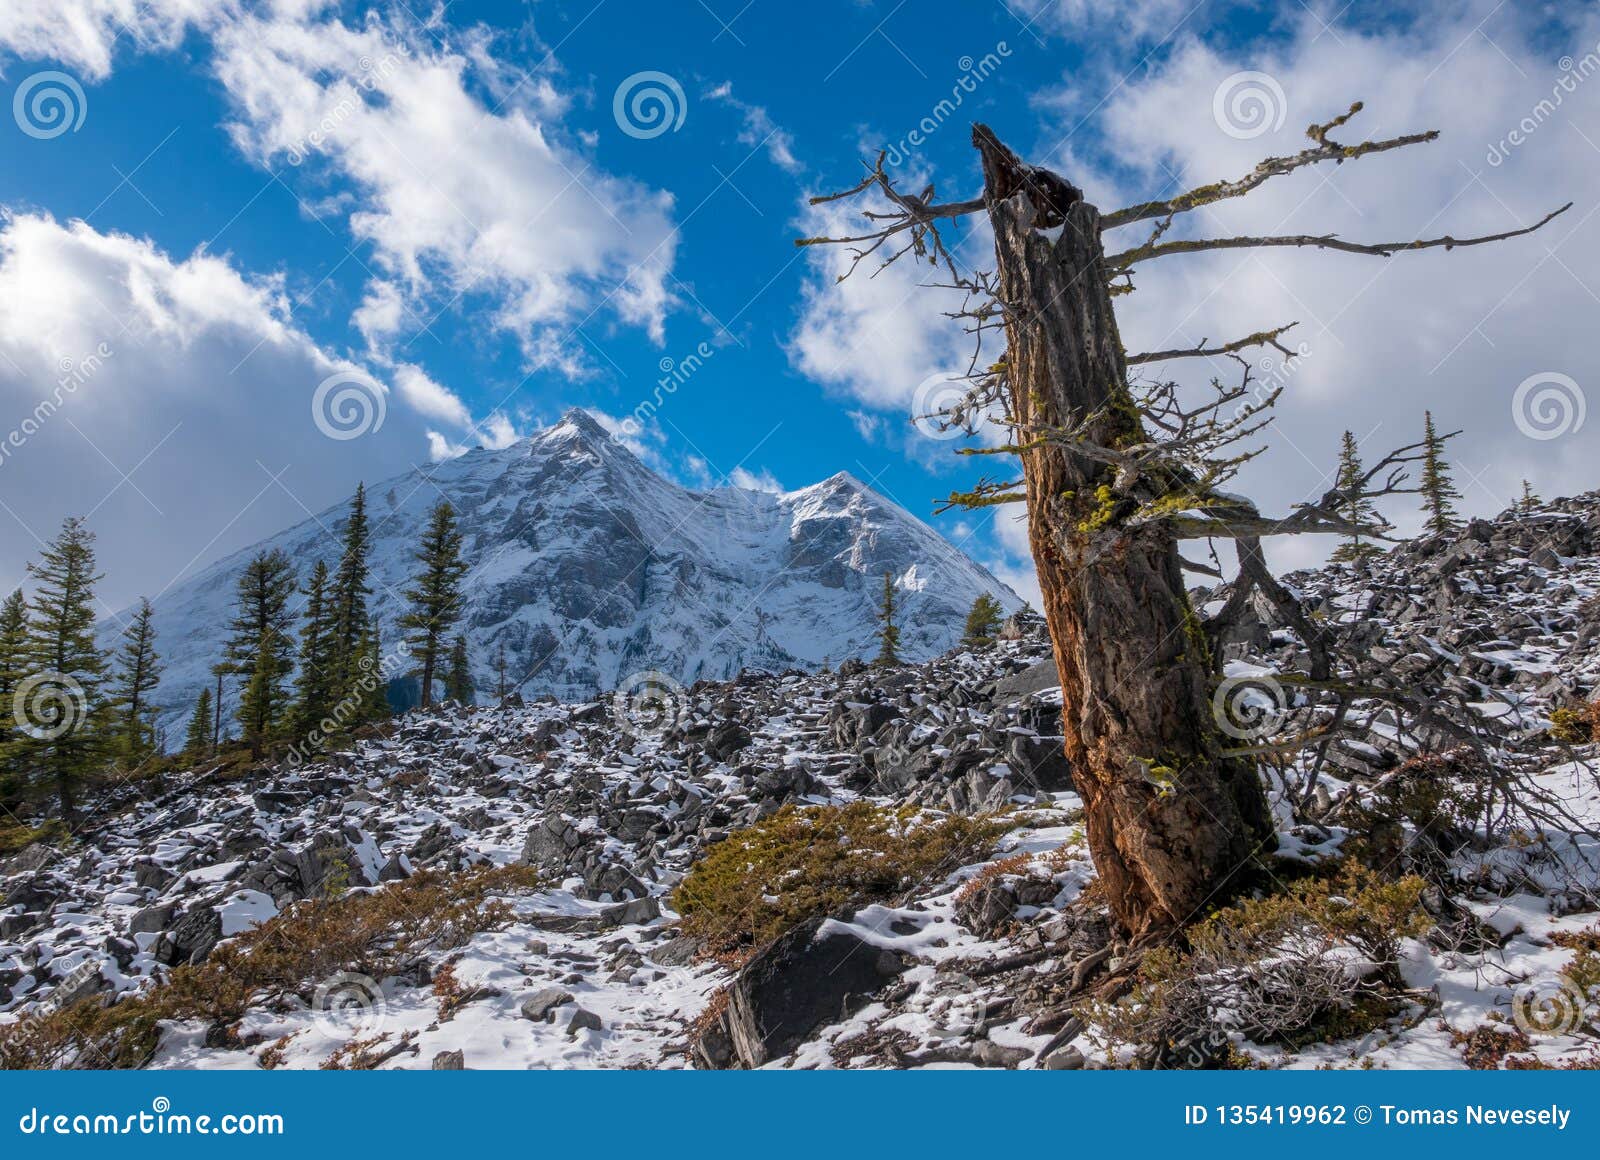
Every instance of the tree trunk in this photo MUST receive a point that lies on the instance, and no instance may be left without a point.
(1172, 825)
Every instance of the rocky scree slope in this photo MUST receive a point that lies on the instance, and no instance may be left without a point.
(982, 967)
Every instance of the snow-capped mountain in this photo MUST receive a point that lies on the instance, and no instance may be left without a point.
(588, 567)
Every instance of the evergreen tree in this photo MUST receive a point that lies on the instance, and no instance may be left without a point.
(435, 595)
(262, 622)
(197, 742)
(220, 670)
(348, 599)
(315, 691)
(888, 631)
(263, 702)
(371, 684)
(500, 670)
(139, 671)
(458, 683)
(983, 620)
(1436, 487)
(1530, 500)
(14, 668)
(64, 734)
(1356, 508)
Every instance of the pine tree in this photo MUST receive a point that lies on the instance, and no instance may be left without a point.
(888, 631)
(348, 599)
(197, 742)
(1437, 490)
(371, 684)
(500, 670)
(139, 671)
(263, 622)
(14, 668)
(1530, 500)
(220, 670)
(435, 595)
(64, 738)
(983, 620)
(458, 683)
(1356, 508)
(263, 702)
(315, 691)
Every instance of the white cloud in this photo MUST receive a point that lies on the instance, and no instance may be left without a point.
(759, 130)
(382, 313)
(429, 398)
(83, 34)
(878, 334)
(160, 397)
(456, 198)
(763, 480)
(867, 424)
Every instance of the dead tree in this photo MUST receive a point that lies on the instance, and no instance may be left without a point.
(1115, 478)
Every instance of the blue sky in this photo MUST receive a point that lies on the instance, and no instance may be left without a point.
(475, 229)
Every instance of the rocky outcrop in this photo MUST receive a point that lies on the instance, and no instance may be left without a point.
(820, 972)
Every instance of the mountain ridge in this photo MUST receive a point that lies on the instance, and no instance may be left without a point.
(587, 566)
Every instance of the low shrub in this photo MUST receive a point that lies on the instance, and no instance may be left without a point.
(380, 933)
(1576, 724)
(1317, 962)
(802, 862)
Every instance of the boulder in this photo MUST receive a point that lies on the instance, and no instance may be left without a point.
(818, 973)
(540, 1006)
(191, 938)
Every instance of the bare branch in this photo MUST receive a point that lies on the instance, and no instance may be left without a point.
(1127, 258)
(1260, 338)
(1324, 150)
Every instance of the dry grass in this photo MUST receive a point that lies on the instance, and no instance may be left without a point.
(801, 863)
(380, 933)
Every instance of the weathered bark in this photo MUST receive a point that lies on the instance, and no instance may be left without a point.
(1172, 825)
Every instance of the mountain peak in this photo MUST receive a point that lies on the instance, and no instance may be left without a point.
(581, 421)
(581, 578)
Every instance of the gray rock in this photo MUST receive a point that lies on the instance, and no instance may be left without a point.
(987, 1053)
(450, 1061)
(583, 1021)
(801, 982)
(541, 1005)
(151, 919)
(1064, 1058)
